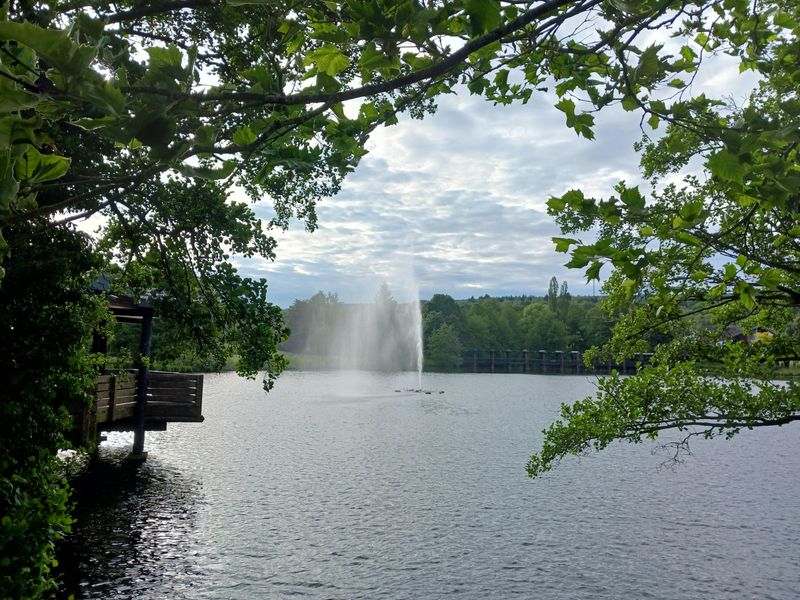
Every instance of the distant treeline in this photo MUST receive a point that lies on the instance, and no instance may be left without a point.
(450, 328)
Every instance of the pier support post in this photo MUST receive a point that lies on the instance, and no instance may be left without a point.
(491, 360)
(525, 366)
(142, 378)
(576, 358)
(508, 360)
(542, 359)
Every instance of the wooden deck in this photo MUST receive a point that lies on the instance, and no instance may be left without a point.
(170, 398)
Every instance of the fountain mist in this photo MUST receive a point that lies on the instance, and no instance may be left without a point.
(384, 335)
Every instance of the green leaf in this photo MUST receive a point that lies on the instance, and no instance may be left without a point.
(730, 272)
(54, 46)
(563, 244)
(373, 59)
(329, 60)
(747, 294)
(593, 272)
(630, 103)
(484, 15)
(649, 67)
(566, 106)
(770, 278)
(13, 98)
(785, 20)
(726, 167)
(34, 167)
(167, 60)
(223, 172)
(244, 136)
(633, 199)
(104, 95)
(205, 135)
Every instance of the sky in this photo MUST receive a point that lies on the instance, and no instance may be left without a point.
(453, 204)
(456, 203)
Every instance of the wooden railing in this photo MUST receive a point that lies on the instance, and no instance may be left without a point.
(170, 397)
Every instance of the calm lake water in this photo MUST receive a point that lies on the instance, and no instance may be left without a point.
(337, 486)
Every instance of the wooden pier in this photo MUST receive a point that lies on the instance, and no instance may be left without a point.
(168, 398)
(137, 400)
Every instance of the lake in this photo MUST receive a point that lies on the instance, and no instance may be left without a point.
(335, 485)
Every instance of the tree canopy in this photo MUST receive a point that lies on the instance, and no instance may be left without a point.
(710, 256)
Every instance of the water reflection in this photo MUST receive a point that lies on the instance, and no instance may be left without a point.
(135, 530)
(323, 489)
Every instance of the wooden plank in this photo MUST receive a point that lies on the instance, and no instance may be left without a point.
(172, 398)
(170, 411)
(120, 412)
(164, 376)
(172, 388)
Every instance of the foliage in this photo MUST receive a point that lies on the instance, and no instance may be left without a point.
(180, 245)
(443, 350)
(518, 322)
(701, 259)
(46, 324)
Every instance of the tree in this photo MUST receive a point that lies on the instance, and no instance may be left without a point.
(723, 245)
(45, 373)
(552, 295)
(443, 350)
(564, 299)
(441, 309)
(543, 329)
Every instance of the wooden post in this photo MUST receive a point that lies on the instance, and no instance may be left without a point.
(560, 359)
(525, 360)
(491, 360)
(508, 360)
(576, 357)
(542, 359)
(475, 360)
(142, 381)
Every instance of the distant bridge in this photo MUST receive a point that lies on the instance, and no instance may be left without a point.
(542, 361)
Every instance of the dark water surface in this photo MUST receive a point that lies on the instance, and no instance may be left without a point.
(336, 486)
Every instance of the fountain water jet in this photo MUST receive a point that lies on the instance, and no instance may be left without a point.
(384, 335)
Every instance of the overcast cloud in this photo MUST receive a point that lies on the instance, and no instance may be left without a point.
(456, 204)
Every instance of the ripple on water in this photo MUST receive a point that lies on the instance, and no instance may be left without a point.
(370, 494)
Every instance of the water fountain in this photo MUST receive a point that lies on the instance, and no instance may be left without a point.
(384, 335)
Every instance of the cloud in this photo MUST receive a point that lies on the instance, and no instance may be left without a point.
(459, 201)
